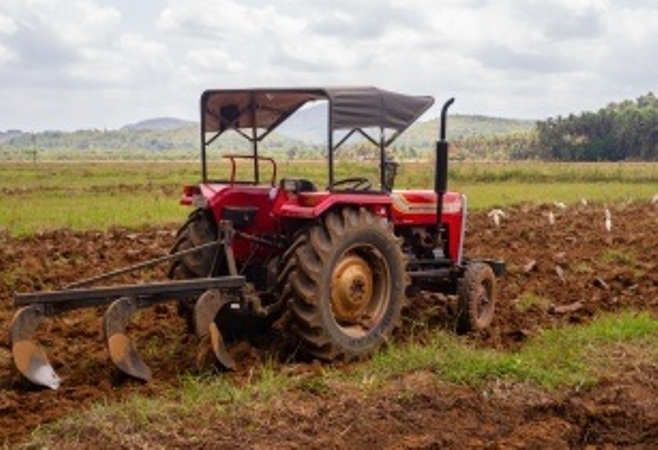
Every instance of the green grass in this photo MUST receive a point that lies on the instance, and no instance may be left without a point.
(612, 255)
(80, 175)
(564, 358)
(560, 357)
(529, 300)
(486, 195)
(554, 172)
(97, 195)
(35, 211)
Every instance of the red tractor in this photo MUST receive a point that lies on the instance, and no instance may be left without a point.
(335, 260)
(339, 258)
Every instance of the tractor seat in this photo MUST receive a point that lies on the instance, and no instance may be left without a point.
(297, 185)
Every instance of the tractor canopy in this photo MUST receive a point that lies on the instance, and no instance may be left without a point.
(254, 113)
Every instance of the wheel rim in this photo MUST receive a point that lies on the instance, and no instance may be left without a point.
(360, 289)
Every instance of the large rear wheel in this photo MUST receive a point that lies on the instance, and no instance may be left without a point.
(349, 285)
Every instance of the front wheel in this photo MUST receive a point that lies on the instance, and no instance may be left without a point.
(477, 298)
(349, 285)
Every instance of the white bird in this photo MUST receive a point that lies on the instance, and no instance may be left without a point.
(654, 200)
(583, 202)
(608, 220)
(551, 218)
(560, 205)
(496, 214)
(560, 272)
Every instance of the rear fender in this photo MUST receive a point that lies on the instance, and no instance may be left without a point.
(418, 209)
(248, 207)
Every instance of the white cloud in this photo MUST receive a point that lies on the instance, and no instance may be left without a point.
(129, 60)
(521, 58)
(7, 25)
(76, 22)
(213, 60)
(228, 21)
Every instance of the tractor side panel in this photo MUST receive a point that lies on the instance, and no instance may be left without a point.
(249, 209)
(312, 205)
(418, 208)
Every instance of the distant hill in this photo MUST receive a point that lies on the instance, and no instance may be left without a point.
(423, 135)
(158, 124)
(308, 125)
(302, 136)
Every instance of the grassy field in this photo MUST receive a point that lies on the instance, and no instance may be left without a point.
(97, 195)
(562, 358)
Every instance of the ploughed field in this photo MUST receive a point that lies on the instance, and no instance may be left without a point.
(558, 274)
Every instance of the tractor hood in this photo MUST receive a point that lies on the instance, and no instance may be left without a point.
(349, 108)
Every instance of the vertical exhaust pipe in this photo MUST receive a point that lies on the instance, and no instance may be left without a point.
(441, 165)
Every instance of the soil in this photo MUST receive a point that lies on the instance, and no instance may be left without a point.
(557, 274)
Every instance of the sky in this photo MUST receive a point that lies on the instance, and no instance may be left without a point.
(101, 64)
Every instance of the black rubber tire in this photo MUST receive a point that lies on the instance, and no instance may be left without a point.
(199, 229)
(361, 254)
(477, 298)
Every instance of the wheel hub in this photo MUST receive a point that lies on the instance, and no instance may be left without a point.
(351, 288)
(483, 299)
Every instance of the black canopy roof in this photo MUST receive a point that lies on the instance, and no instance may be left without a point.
(349, 107)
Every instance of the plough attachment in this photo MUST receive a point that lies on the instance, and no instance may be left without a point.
(31, 360)
(206, 308)
(121, 348)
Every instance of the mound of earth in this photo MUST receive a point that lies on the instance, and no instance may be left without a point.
(557, 273)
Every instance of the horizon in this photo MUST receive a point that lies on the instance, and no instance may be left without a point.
(136, 126)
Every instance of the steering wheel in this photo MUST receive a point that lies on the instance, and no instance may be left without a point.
(357, 183)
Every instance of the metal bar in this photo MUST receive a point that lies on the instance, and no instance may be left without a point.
(382, 159)
(254, 138)
(144, 265)
(393, 137)
(106, 294)
(433, 273)
(214, 138)
(257, 159)
(432, 262)
(280, 120)
(204, 169)
(347, 136)
(259, 240)
(353, 131)
(241, 133)
(330, 144)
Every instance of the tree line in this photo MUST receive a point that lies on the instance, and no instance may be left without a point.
(626, 131)
(620, 131)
